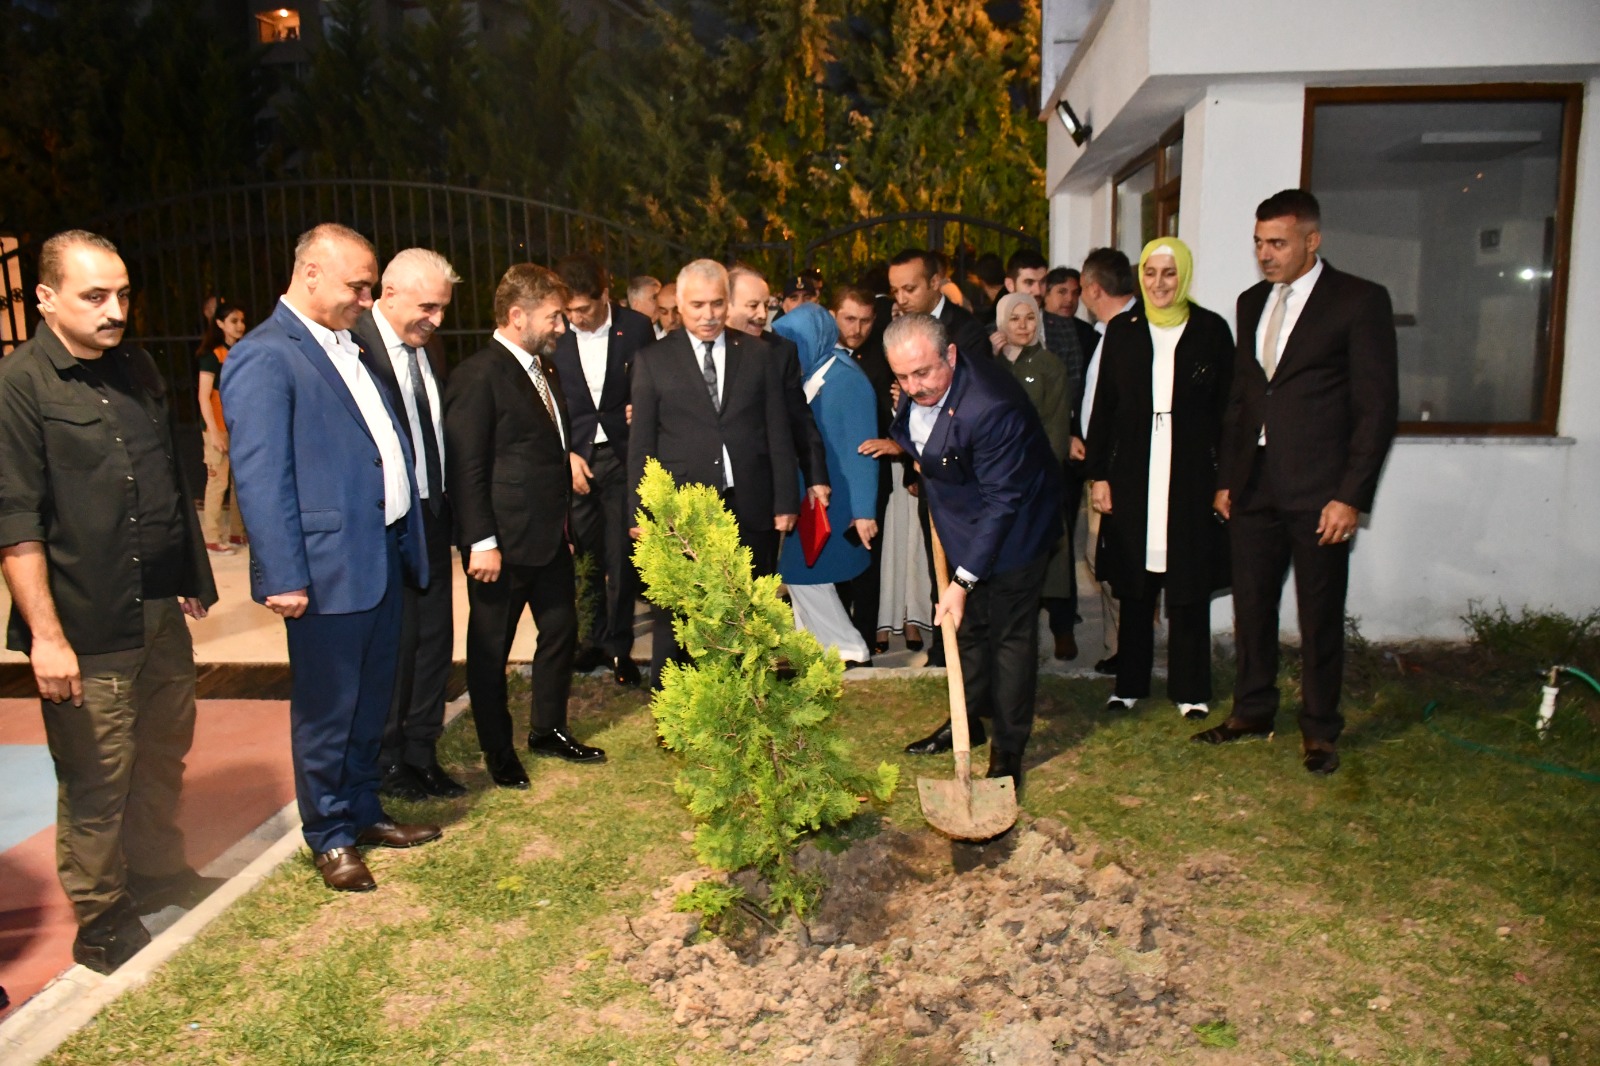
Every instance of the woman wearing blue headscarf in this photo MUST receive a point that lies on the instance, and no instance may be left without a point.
(841, 400)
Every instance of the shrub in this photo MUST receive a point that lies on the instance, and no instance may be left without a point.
(764, 764)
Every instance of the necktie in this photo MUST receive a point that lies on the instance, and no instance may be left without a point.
(1269, 344)
(709, 372)
(536, 372)
(430, 439)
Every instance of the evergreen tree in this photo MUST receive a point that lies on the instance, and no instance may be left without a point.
(765, 766)
(330, 121)
(435, 115)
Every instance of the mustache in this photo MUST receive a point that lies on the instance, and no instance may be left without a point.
(113, 323)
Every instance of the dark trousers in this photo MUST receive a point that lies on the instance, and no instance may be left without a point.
(427, 641)
(935, 633)
(999, 638)
(496, 608)
(119, 763)
(1264, 541)
(861, 594)
(600, 529)
(342, 670)
(763, 545)
(1062, 611)
(1188, 646)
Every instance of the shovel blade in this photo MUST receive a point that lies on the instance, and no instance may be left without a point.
(984, 811)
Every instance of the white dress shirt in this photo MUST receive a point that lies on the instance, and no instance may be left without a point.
(400, 358)
(719, 358)
(920, 421)
(1299, 289)
(594, 349)
(346, 359)
(530, 367)
(1091, 373)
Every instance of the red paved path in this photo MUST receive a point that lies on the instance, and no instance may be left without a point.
(238, 776)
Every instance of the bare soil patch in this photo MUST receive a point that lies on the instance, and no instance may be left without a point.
(1019, 952)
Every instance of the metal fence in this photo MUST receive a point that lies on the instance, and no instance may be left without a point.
(238, 243)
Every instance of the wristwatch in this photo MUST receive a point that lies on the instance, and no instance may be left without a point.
(965, 583)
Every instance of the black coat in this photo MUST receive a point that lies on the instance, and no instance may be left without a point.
(507, 468)
(674, 422)
(1119, 452)
(1331, 406)
(630, 331)
(808, 448)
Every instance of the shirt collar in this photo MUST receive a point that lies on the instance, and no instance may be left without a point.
(324, 336)
(1307, 281)
(599, 331)
(720, 344)
(517, 350)
(1100, 323)
(391, 339)
(938, 308)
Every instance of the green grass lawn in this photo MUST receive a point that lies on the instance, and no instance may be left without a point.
(1426, 904)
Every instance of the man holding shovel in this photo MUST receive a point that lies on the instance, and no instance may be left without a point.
(994, 495)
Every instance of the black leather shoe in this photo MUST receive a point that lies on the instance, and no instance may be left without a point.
(1006, 764)
(1107, 666)
(1230, 731)
(939, 741)
(507, 771)
(387, 834)
(589, 659)
(402, 782)
(110, 940)
(935, 654)
(626, 672)
(558, 743)
(1321, 761)
(182, 889)
(436, 782)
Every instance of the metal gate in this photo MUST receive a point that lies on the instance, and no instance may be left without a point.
(238, 243)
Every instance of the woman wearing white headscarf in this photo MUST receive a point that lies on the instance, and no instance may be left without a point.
(1152, 463)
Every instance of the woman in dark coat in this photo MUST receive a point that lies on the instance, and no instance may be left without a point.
(1165, 371)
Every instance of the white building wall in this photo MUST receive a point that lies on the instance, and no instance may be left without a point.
(1485, 519)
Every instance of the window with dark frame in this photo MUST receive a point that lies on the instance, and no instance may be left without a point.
(1459, 200)
(1144, 195)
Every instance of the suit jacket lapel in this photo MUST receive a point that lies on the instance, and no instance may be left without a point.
(524, 386)
(690, 347)
(943, 426)
(616, 365)
(323, 363)
(1305, 325)
(741, 358)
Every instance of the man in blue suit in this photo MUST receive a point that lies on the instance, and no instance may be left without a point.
(994, 496)
(325, 481)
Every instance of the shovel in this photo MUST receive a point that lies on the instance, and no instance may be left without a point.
(963, 809)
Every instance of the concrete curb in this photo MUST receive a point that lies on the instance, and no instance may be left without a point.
(35, 1029)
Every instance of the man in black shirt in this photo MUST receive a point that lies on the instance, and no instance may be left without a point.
(101, 548)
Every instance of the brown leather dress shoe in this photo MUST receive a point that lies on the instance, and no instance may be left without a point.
(386, 834)
(1066, 646)
(343, 871)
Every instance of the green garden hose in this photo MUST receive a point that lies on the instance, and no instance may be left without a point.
(1488, 749)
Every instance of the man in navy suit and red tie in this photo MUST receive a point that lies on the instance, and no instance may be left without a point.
(324, 475)
(594, 359)
(994, 497)
(1310, 419)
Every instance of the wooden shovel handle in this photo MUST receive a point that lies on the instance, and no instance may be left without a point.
(960, 739)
